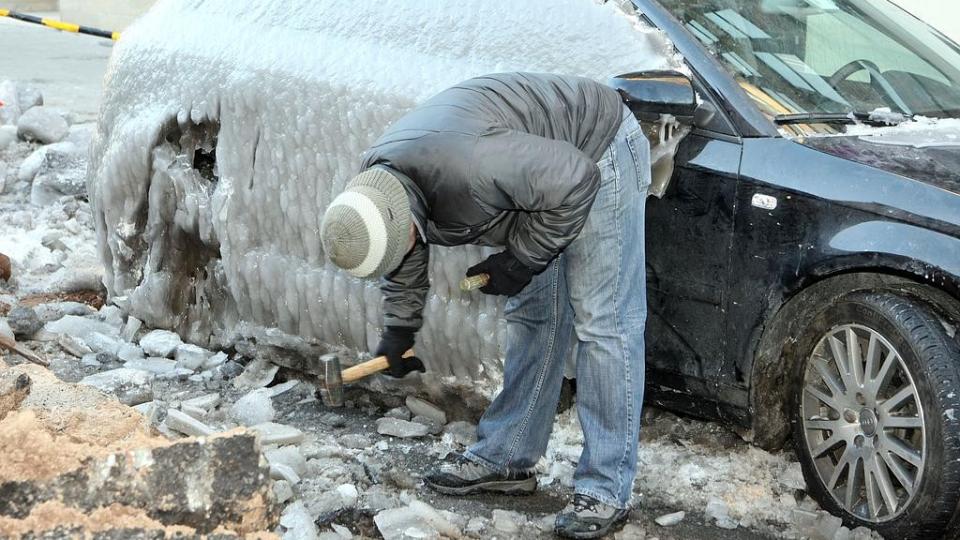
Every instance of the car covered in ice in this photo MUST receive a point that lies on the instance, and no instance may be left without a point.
(803, 260)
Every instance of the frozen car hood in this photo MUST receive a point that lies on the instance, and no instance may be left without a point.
(227, 127)
(929, 155)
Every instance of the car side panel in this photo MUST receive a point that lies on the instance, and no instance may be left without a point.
(689, 234)
(832, 215)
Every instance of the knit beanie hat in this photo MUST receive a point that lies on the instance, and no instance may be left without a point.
(366, 229)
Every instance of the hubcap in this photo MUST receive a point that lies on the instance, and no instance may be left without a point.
(863, 422)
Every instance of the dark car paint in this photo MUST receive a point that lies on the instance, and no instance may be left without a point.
(720, 268)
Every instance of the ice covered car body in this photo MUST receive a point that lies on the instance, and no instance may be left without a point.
(228, 127)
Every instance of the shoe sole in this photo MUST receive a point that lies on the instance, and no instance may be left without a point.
(612, 527)
(507, 487)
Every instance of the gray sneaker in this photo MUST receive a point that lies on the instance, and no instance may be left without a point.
(461, 476)
(587, 517)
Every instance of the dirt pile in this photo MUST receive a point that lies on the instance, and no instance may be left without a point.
(78, 463)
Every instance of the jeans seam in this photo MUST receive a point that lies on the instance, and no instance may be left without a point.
(616, 321)
(542, 373)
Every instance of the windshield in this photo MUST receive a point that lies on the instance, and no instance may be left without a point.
(828, 56)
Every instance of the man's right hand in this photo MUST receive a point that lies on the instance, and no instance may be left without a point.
(395, 341)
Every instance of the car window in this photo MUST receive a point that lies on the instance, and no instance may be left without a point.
(828, 56)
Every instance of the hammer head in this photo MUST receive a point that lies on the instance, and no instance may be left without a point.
(332, 390)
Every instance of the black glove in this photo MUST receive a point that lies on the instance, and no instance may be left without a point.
(395, 341)
(508, 276)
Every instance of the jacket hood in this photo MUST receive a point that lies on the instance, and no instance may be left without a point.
(929, 155)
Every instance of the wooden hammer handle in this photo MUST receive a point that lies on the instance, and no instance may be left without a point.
(360, 371)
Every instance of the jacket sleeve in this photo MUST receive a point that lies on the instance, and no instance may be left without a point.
(552, 183)
(405, 290)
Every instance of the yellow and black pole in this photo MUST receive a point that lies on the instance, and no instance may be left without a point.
(60, 25)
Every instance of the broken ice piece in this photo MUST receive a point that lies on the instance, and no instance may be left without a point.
(289, 456)
(131, 386)
(718, 511)
(129, 352)
(418, 519)
(253, 408)
(160, 343)
(131, 328)
(401, 428)
(402, 413)
(420, 407)
(73, 346)
(506, 522)
(257, 374)
(215, 360)
(669, 520)
(348, 495)
(272, 433)
(279, 471)
(195, 412)
(298, 522)
(186, 424)
(282, 491)
(433, 426)
(99, 342)
(189, 356)
(159, 366)
(283, 387)
(205, 402)
(79, 327)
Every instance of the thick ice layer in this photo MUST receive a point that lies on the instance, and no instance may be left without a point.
(287, 95)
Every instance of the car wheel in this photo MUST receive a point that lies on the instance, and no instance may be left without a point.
(877, 414)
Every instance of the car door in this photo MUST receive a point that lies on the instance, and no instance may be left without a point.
(688, 242)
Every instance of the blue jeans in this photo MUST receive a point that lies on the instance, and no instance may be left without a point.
(596, 291)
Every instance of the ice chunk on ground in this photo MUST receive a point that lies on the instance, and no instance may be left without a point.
(272, 433)
(401, 428)
(80, 327)
(186, 424)
(131, 386)
(229, 246)
(718, 511)
(279, 471)
(157, 366)
(161, 343)
(417, 520)
(298, 523)
(289, 456)
(43, 125)
(669, 520)
(420, 407)
(189, 356)
(257, 374)
(282, 491)
(253, 408)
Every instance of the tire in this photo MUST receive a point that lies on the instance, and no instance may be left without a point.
(899, 423)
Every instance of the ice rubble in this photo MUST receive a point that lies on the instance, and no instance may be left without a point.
(223, 247)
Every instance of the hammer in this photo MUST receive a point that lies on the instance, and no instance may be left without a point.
(333, 379)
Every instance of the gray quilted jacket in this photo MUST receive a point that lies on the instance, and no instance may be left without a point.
(501, 160)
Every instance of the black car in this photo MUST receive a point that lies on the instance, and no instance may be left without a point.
(803, 263)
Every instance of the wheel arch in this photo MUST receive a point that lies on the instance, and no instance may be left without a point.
(773, 354)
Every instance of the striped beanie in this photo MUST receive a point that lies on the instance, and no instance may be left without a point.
(366, 229)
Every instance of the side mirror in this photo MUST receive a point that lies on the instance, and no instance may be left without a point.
(650, 94)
